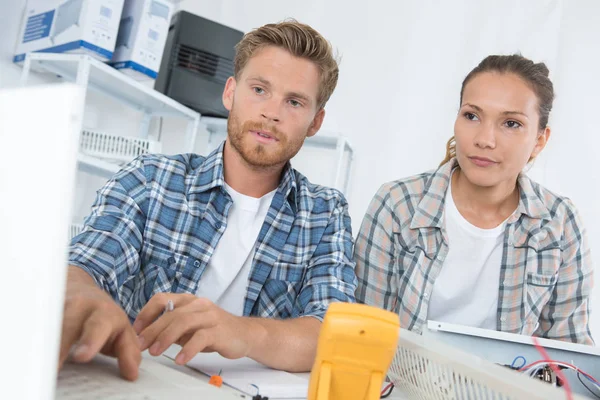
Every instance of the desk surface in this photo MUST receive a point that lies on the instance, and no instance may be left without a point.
(159, 378)
(198, 375)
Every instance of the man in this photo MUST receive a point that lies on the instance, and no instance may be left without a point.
(246, 250)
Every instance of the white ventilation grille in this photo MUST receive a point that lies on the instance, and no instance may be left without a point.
(120, 149)
(425, 369)
(74, 230)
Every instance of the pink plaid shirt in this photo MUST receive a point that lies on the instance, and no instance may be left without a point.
(546, 274)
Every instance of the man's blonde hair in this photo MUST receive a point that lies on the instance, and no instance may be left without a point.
(301, 41)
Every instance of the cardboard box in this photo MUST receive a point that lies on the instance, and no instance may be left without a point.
(69, 26)
(142, 36)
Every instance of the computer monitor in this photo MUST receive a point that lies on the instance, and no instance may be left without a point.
(39, 127)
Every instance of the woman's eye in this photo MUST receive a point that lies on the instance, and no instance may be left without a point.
(513, 124)
(470, 116)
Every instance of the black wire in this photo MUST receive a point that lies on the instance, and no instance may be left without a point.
(586, 386)
(389, 392)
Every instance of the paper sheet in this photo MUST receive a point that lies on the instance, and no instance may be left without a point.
(246, 374)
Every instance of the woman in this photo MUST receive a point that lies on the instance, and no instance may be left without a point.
(476, 242)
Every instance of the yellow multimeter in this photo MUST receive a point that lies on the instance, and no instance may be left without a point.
(356, 346)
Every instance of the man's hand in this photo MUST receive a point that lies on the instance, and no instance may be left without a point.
(94, 323)
(196, 324)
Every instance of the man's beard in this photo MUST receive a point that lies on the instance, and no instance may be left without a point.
(257, 154)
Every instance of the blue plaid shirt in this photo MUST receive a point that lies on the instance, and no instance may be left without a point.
(155, 225)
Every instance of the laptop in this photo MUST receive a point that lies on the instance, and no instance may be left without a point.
(39, 130)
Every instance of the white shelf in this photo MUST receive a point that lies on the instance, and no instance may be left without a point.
(214, 124)
(96, 166)
(93, 74)
(106, 79)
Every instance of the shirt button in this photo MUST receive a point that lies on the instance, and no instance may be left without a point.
(425, 294)
(196, 263)
(510, 242)
(218, 225)
(503, 319)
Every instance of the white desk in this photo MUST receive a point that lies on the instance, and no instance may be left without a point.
(200, 376)
(159, 378)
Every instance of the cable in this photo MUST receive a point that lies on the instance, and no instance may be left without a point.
(529, 368)
(591, 379)
(512, 365)
(586, 386)
(389, 388)
(557, 370)
(533, 368)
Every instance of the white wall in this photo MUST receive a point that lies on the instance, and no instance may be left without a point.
(572, 167)
(402, 65)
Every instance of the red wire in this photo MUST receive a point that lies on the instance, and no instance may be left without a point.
(560, 362)
(557, 370)
(385, 389)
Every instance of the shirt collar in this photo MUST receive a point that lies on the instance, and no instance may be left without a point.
(209, 175)
(429, 211)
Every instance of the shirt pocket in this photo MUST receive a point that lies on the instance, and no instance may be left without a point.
(160, 270)
(289, 272)
(541, 280)
(282, 288)
(539, 289)
(415, 255)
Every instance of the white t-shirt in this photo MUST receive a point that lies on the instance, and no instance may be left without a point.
(466, 290)
(225, 280)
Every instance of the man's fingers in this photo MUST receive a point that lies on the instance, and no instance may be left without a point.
(150, 312)
(179, 324)
(71, 330)
(156, 306)
(127, 351)
(147, 337)
(184, 339)
(96, 332)
(69, 335)
(170, 327)
(197, 343)
(96, 324)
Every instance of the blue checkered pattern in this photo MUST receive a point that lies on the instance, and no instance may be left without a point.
(155, 225)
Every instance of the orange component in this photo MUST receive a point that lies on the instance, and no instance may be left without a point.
(216, 380)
